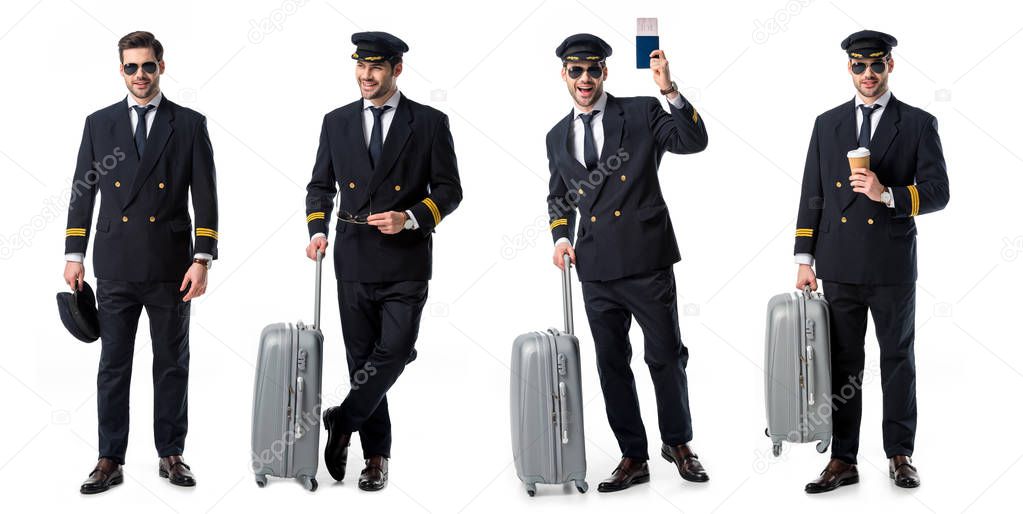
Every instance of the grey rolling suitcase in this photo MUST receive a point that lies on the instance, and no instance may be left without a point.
(547, 404)
(286, 401)
(797, 370)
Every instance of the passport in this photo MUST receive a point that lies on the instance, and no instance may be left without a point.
(646, 41)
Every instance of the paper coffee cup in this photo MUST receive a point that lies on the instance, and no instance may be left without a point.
(859, 158)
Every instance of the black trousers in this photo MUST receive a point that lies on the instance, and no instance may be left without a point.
(120, 304)
(610, 307)
(893, 308)
(380, 325)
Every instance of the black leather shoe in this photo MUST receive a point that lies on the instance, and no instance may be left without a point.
(174, 469)
(335, 455)
(628, 472)
(106, 475)
(903, 472)
(687, 462)
(374, 477)
(835, 475)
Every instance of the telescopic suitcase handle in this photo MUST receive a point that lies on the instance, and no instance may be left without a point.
(566, 292)
(319, 279)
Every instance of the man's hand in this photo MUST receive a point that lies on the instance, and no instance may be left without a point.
(317, 244)
(865, 181)
(806, 277)
(74, 274)
(662, 76)
(195, 281)
(390, 222)
(559, 252)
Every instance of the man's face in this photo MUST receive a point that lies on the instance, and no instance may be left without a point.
(142, 84)
(584, 88)
(871, 83)
(376, 79)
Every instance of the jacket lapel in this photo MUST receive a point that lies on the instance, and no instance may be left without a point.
(394, 142)
(613, 123)
(573, 169)
(359, 168)
(124, 143)
(884, 134)
(163, 127)
(845, 136)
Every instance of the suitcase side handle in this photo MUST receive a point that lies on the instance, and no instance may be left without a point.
(319, 279)
(299, 391)
(562, 393)
(566, 292)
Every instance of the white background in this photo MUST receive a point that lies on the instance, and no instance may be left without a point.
(759, 72)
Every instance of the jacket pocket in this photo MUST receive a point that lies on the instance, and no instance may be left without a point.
(901, 228)
(181, 225)
(651, 212)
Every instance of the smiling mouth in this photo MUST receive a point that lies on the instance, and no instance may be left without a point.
(584, 90)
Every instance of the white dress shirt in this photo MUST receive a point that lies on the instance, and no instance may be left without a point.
(134, 120)
(367, 131)
(875, 118)
(578, 135)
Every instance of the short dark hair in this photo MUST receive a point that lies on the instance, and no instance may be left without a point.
(140, 39)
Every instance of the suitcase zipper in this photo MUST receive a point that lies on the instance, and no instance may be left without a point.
(557, 420)
(804, 370)
(292, 403)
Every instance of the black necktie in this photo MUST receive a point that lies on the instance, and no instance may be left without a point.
(867, 110)
(589, 145)
(376, 138)
(140, 127)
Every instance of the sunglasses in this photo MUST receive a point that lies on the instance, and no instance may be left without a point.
(877, 67)
(348, 217)
(577, 71)
(131, 68)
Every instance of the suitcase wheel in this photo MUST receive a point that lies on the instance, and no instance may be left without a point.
(261, 480)
(581, 486)
(776, 449)
(822, 446)
(531, 490)
(310, 483)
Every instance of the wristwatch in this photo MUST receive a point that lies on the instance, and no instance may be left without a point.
(408, 222)
(670, 90)
(886, 197)
(204, 262)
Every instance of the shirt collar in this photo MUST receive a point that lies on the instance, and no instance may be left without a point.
(155, 102)
(601, 106)
(883, 101)
(392, 101)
